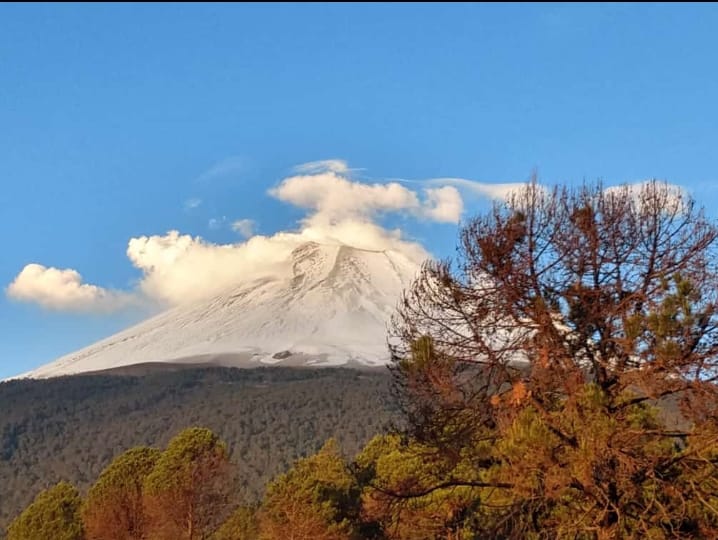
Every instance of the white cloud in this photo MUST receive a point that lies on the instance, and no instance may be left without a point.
(360, 234)
(483, 189)
(244, 227)
(671, 198)
(337, 197)
(338, 166)
(178, 268)
(63, 290)
(444, 204)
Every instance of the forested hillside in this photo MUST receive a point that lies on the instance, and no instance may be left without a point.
(70, 428)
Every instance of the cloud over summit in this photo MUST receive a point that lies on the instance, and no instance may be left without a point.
(336, 196)
(178, 268)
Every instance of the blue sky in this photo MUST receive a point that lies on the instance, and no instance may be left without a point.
(114, 118)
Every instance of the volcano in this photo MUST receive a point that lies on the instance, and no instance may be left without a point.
(329, 306)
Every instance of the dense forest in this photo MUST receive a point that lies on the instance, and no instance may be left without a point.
(70, 428)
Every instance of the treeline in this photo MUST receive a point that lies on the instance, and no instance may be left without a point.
(184, 492)
(70, 428)
(175, 493)
(501, 486)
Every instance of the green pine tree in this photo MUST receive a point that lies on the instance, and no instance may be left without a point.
(54, 514)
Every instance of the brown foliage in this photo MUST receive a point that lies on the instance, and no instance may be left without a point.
(569, 312)
(185, 494)
(114, 508)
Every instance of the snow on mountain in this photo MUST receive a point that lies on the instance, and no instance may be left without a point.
(330, 306)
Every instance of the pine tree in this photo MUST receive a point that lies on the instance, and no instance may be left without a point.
(315, 500)
(55, 513)
(185, 492)
(114, 507)
(539, 368)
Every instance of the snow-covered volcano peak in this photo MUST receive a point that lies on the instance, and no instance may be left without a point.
(330, 308)
(309, 261)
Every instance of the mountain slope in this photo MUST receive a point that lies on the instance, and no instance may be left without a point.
(328, 306)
